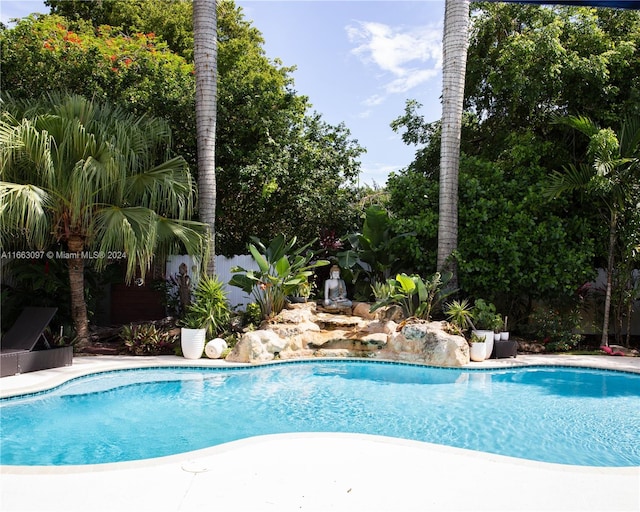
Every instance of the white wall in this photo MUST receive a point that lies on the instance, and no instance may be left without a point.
(223, 271)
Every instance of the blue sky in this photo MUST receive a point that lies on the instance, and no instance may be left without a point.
(357, 61)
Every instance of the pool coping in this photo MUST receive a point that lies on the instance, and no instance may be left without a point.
(294, 471)
(35, 382)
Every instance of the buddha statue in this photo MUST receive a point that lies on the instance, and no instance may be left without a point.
(335, 290)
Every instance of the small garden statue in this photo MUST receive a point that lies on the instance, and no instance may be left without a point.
(184, 286)
(335, 290)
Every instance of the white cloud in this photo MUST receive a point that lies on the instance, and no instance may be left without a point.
(376, 173)
(374, 100)
(412, 56)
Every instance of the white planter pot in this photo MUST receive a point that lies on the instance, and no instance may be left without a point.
(504, 336)
(192, 342)
(215, 347)
(488, 339)
(478, 351)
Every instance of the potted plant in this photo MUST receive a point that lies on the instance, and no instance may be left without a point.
(477, 347)
(497, 328)
(192, 337)
(504, 333)
(204, 317)
(485, 319)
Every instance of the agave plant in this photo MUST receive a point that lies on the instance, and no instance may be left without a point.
(460, 314)
(281, 271)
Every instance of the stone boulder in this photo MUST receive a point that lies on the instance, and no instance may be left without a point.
(427, 343)
(257, 347)
(302, 332)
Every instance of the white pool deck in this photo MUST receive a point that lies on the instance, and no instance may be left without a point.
(315, 471)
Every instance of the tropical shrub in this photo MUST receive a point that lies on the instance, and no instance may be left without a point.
(485, 316)
(253, 314)
(148, 340)
(372, 254)
(281, 271)
(417, 297)
(556, 328)
(210, 308)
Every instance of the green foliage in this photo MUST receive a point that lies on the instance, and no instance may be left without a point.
(459, 313)
(148, 340)
(279, 169)
(170, 20)
(74, 169)
(525, 65)
(485, 316)
(372, 252)
(281, 270)
(49, 278)
(135, 69)
(555, 327)
(289, 187)
(97, 179)
(382, 290)
(209, 309)
(253, 314)
(417, 297)
(610, 181)
(477, 339)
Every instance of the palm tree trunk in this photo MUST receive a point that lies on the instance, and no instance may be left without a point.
(75, 263)
(607, 296)
(205, 56)
(454, 47)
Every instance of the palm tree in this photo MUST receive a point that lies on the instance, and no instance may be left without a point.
(205, 55)
(612, 178)
(454, 47)
(94, 178)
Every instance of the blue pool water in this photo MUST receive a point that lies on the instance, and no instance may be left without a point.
(562, 415)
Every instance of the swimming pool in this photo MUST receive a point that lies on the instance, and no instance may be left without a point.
(553, 414)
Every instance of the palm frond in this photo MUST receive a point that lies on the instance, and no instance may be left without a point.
(130, 230)
(175, 236)
(573, 178)
(23, 215)
(167, 187)
(581, 123)
(630, 137)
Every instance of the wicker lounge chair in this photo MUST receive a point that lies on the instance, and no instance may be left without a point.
(24, 348)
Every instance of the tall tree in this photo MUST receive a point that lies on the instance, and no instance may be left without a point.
(515, 246)
(97, 179)
(205, 55)
(454, 48)
(278, 166)
(456, 23)
(611, 176)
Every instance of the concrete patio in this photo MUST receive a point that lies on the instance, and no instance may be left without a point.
(316, 471)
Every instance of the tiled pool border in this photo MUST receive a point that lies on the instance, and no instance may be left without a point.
(200, 368)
